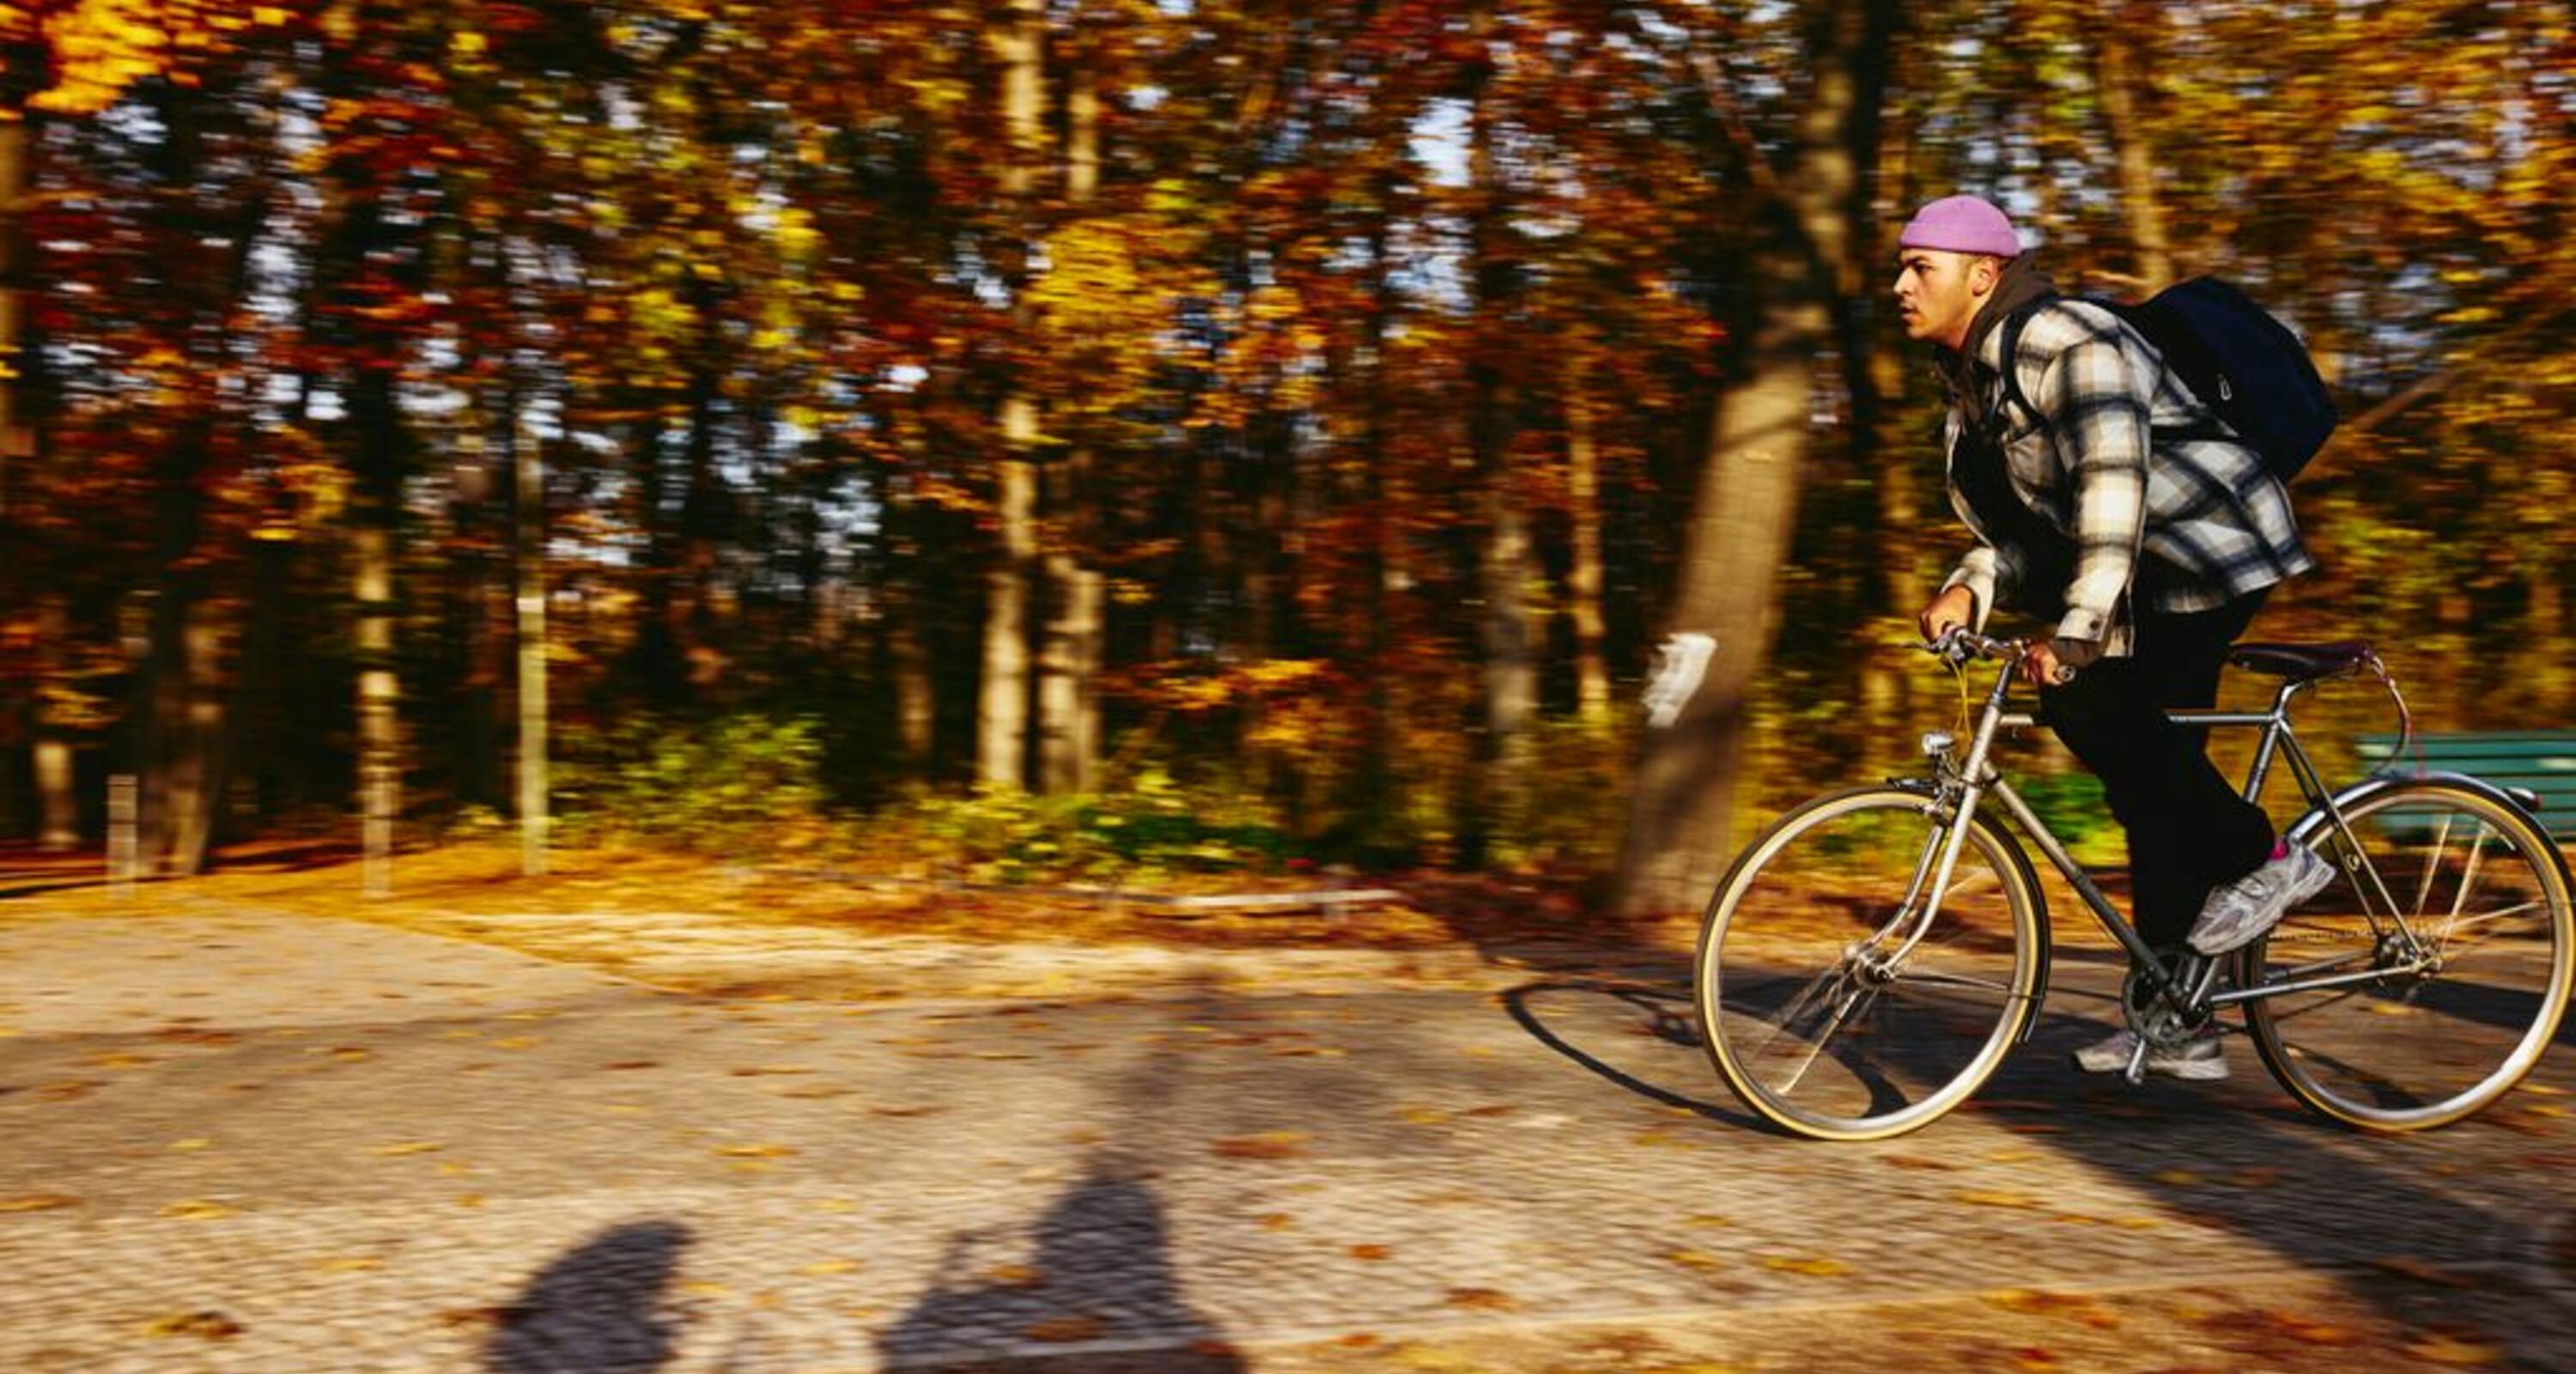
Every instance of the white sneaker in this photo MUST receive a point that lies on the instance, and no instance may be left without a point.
(2245, 908)
(2201, 1058)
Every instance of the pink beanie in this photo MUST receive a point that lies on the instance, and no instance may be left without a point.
(1962, 224)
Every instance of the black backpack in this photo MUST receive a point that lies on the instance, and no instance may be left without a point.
(2243, 364)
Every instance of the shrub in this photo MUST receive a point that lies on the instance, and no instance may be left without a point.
(723, 781)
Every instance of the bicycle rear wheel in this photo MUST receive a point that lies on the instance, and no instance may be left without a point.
(2403, 1048)
(1817, 1003)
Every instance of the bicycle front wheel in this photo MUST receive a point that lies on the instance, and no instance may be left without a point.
(1832, 1006)
(2437, 962)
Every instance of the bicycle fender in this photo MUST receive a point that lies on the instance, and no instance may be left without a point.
(2316, 819)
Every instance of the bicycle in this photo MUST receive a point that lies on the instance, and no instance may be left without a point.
(1870, 960)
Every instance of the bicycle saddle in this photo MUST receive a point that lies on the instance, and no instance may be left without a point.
(2303, 662)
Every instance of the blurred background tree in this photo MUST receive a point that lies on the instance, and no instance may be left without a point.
(1319, 412)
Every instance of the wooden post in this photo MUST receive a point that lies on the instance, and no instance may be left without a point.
(378, 828)
(122, 854)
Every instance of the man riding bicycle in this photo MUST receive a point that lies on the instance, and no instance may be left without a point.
(2106, 498)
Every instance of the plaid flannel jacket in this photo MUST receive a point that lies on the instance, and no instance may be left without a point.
(2125, 460)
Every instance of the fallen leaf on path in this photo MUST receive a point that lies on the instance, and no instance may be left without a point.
(755, 1151)
(64, 1091)
(37, 1202)
(1079, 1327)
(1275, 1221)
(1817, 1267)
(397, 1149)
(211, 1326)
(349, 1264)
(1483, 1300)
(2307, 1330)
(823, 1269)
(1267, 1145)
(1370, 1252)
(1699, 1259)
(192, 1144)
(2034, 1300)
(182, 1035)
(2178, 1178)
(2414, 1268)
(2456, 1347)
(1997, 1197)
(197, 1209)
(1916, 1162)
(1014, 1276)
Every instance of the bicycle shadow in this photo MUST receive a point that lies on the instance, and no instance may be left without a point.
(1598, 1022)
(2234, 1159)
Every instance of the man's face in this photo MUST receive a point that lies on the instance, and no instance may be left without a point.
(1938, 292)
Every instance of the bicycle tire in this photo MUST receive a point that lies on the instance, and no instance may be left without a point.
(2478, 882)
(1778, 947)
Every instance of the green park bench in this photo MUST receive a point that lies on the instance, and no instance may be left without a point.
(2537, 762)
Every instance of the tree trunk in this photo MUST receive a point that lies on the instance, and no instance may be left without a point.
(529, 547)
(58, 801)
(17, 442)
(1069, 665)
(1584, 580)
(58, 824)
(1507, 563)
(375, 463)
(1002, 730)
(1682, 808)
(2116, 67)
(196, 776)
(1003, 722)
(1069, 672)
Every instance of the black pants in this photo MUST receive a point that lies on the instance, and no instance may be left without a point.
(2188, 829)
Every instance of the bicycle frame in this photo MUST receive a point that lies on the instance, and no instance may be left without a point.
(2190, 989)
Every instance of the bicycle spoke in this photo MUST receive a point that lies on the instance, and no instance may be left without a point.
(1957, 980)
(1859, 997)
(1797, 1008)
(2452, 928)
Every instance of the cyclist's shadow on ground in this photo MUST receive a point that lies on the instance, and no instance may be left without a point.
(1639, 1034)
(1101, 1272)
(603, 1307)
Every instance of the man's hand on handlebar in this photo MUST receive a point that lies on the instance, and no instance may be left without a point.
(2041, 665)
(1951, 610)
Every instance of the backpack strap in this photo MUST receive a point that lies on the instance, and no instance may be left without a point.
(2011, 328)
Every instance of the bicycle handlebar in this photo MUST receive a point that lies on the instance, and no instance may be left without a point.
(1960, 645)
